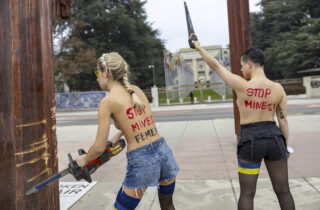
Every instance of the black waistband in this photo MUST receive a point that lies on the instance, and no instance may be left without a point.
(262, 123)
(259, 130)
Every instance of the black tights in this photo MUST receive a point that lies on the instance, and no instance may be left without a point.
(278, 172)
(166, 202)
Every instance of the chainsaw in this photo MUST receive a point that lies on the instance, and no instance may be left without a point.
(191, 34)
(82, 172)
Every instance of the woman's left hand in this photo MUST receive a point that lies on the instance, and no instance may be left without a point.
(81, 160)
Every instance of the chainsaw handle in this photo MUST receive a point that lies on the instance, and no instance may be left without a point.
(86, 174)
(122, 143)
(192, 39)
(72, 163)
(109, 144)
(81, 152)
(75, 170)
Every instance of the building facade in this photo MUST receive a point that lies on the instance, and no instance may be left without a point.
(200, 69)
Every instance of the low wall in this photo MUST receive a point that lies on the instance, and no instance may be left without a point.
(292, 86)
(79, 100)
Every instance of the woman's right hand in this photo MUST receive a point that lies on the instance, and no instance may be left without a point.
(115, 139)
(114, 142)
(196, 45)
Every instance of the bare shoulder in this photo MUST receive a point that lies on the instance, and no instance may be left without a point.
(140, 93)
(136, 88)
(106, 101)
(279, 87)
(243, 84)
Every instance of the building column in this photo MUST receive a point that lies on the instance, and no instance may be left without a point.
(155, 96)
(195, 70)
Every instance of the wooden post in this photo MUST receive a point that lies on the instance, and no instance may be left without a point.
(28, 144)
(240, 39)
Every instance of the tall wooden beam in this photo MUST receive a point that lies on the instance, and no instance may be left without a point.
(28, 144)
(240, 39)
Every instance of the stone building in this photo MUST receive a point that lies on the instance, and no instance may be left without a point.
(201, 70)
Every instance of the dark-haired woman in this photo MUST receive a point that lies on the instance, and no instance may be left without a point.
(258, 100)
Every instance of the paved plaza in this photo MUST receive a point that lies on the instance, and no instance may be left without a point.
(206, 154)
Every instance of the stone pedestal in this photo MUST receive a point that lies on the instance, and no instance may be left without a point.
(155, 96)
(312, 85)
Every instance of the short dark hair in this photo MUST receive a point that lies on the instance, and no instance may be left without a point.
(255, 55)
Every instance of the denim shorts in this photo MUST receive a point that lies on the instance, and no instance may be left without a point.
(149, 164)
(261, 140)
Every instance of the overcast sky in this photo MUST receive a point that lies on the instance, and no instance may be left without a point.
(209, 19)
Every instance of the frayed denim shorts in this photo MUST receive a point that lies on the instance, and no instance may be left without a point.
(149, 164)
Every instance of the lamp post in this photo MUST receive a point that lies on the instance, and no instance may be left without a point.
(153, 72)
(154, 89)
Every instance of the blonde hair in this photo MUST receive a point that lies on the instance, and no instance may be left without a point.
(119, 69)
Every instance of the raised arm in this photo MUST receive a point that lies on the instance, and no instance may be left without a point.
(282, 117)
(234, 81)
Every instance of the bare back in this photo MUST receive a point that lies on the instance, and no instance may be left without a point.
(138, 127)
(258, 100)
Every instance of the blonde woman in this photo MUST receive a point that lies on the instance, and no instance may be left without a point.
(150, 160)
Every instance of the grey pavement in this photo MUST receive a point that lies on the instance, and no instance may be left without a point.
(206, 154)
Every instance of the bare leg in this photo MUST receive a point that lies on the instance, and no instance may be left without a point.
(135, 193)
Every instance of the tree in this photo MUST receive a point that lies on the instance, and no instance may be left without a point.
(100, 26)
(75, 64)
(288, 32)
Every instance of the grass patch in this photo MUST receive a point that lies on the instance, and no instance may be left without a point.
(197, 94)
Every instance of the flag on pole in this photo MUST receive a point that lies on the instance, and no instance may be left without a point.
(220, 56)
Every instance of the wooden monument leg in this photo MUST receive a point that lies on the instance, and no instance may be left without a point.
(28, 144)
(240, 39)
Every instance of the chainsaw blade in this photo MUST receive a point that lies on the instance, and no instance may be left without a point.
(49, 180)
